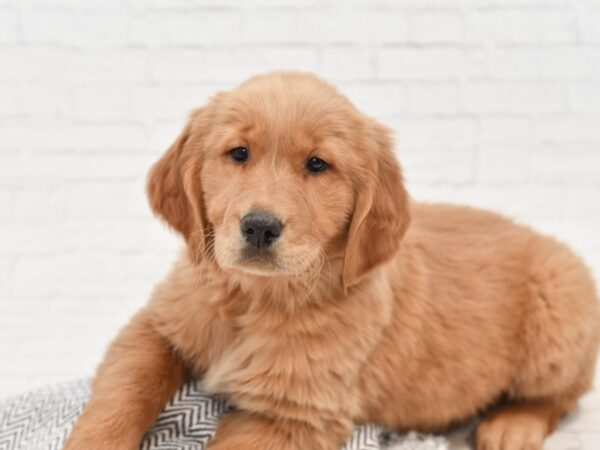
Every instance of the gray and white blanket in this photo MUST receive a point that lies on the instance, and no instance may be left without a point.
(41, 420)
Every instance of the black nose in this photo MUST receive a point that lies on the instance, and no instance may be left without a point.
(260, 229)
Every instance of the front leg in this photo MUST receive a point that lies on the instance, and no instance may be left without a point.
(139, 374)
(251, 431)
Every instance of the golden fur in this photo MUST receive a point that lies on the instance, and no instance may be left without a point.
(359, 317)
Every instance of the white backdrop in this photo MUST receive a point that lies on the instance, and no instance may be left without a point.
(496, 103)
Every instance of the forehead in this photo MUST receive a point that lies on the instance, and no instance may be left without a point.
(287, 111)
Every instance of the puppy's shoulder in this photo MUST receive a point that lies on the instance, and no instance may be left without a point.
(187, 292)
(181, 280)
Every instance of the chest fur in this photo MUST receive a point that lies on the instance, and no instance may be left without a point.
(266, 357)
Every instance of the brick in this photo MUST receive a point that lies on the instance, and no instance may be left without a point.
(98, 201)
(83, 26)
(505, 153)
(53, 275)
(436, 27)
(558, 25)
(573, 163)
(255, 60)
(348, 26)
(500, 26)
(506, 130)
(347, 63)
(109, 65)
(377, 99)
(46, 169)
(555, 129)
(421, 63)
(529, 204)
(582, 203)
(520, 3)
(436, 164)
(436, 150)
(281, 3)
(170, 101)
(507, 164)
(88, 137)
(96, 101)
(6, 267)
(46, 98)
(7, 205)
(570, 62)
(104, 24)
(521, 26)
(12, 137)
(196, 27)
(40, 206)
(12, 98)
(509, 63)
(432, 98)
(179, 64)
(48, 25)
(72, 3)
(17, 64)
(585, 96)
(9, 32)
(182, 6)
(445, 132)
(47, 238)
(268, 26)
(163, 134)
(232, 65)
(502, 97)
(589, 18)
(484, 4)
(162, 239)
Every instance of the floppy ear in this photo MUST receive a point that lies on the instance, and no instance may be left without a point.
(174, 190)
(381, 212)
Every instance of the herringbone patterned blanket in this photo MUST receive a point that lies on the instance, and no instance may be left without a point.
(41, 420)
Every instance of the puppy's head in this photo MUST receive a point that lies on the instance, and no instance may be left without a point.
(278, 174)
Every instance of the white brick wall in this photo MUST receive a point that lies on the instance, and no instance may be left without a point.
(496, 103)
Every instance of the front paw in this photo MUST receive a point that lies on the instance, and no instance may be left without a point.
(246, 442)
(512, 427)
(95, 439)
(232, 446)
(107, 444)
(248, 431)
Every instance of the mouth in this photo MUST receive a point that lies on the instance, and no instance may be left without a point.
(258, 262)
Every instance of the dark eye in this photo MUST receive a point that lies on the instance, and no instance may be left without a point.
(315, 165)
(239, 154)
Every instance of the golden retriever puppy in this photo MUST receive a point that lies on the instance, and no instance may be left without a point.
(316, 295)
